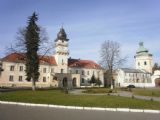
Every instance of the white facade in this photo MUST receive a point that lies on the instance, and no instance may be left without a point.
(138, 78)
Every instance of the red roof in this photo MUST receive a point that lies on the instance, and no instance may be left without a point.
(20, 57)
(83, 63)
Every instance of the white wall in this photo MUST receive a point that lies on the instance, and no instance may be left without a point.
(124, 79)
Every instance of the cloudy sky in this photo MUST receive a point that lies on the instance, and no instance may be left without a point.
(88, 23)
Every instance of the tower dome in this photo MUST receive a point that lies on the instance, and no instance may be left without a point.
(62, 35)
(142, 50)
(143, 59)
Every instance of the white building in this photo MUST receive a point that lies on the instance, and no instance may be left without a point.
(136, 77)
(57, 71)
(141, 76)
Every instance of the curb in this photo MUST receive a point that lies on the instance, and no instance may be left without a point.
(83, 108)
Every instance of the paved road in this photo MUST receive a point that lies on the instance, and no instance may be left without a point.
(13, 112)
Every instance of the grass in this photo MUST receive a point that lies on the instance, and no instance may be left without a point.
(59, 98)
(146, 92)
(98, 90)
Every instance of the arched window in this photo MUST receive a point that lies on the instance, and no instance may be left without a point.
(74, 82)
(65, 82)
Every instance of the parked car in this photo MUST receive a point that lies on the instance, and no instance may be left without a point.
(130, 86)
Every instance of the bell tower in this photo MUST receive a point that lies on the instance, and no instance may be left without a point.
(61, 51)
(143, 59)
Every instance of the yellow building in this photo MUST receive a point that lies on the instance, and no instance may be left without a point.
(57, 71)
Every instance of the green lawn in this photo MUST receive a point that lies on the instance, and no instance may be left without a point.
(98, 90)
(147, 92)
(59, 98)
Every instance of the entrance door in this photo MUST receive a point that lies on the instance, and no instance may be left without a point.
(65, 83)
(74, 82)
(157, 82)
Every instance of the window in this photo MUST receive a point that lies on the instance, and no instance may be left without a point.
(82, 80)
(11, 78)
(62, 62)
(137, 80)
(76, 71)
(93, 72)
(70, 71)
(20, 78)
(52, 70)
(21, 68)
(145, 63)
(82, 72)
(44, 79)
(88, 80)
(44, 70)
(87, 72)
(12, 68)
(125, 80)
(138, 64)
(62, 70)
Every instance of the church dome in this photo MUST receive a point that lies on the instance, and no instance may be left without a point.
(62, 35)
(141, 49)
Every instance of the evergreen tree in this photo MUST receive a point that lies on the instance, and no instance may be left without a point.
(93, 79)
(32, 41)
(98, 82)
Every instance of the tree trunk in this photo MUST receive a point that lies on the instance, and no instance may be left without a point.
(33, 85)
(111, 74)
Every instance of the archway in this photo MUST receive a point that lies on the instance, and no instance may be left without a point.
(74, 82)
(157, 82)
(65, 82)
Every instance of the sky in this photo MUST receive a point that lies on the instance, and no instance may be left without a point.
(88, 23)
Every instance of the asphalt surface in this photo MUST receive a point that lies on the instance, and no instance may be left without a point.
(14, 112)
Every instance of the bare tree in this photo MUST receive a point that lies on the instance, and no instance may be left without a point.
(111, 58)
(19, 44)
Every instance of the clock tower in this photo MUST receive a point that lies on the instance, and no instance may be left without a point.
(61, 51)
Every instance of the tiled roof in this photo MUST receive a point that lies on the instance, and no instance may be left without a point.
(20, 57)
(14, 57)
(83, 63)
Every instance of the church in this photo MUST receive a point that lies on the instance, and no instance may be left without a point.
(141, 75)
(58, 70)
